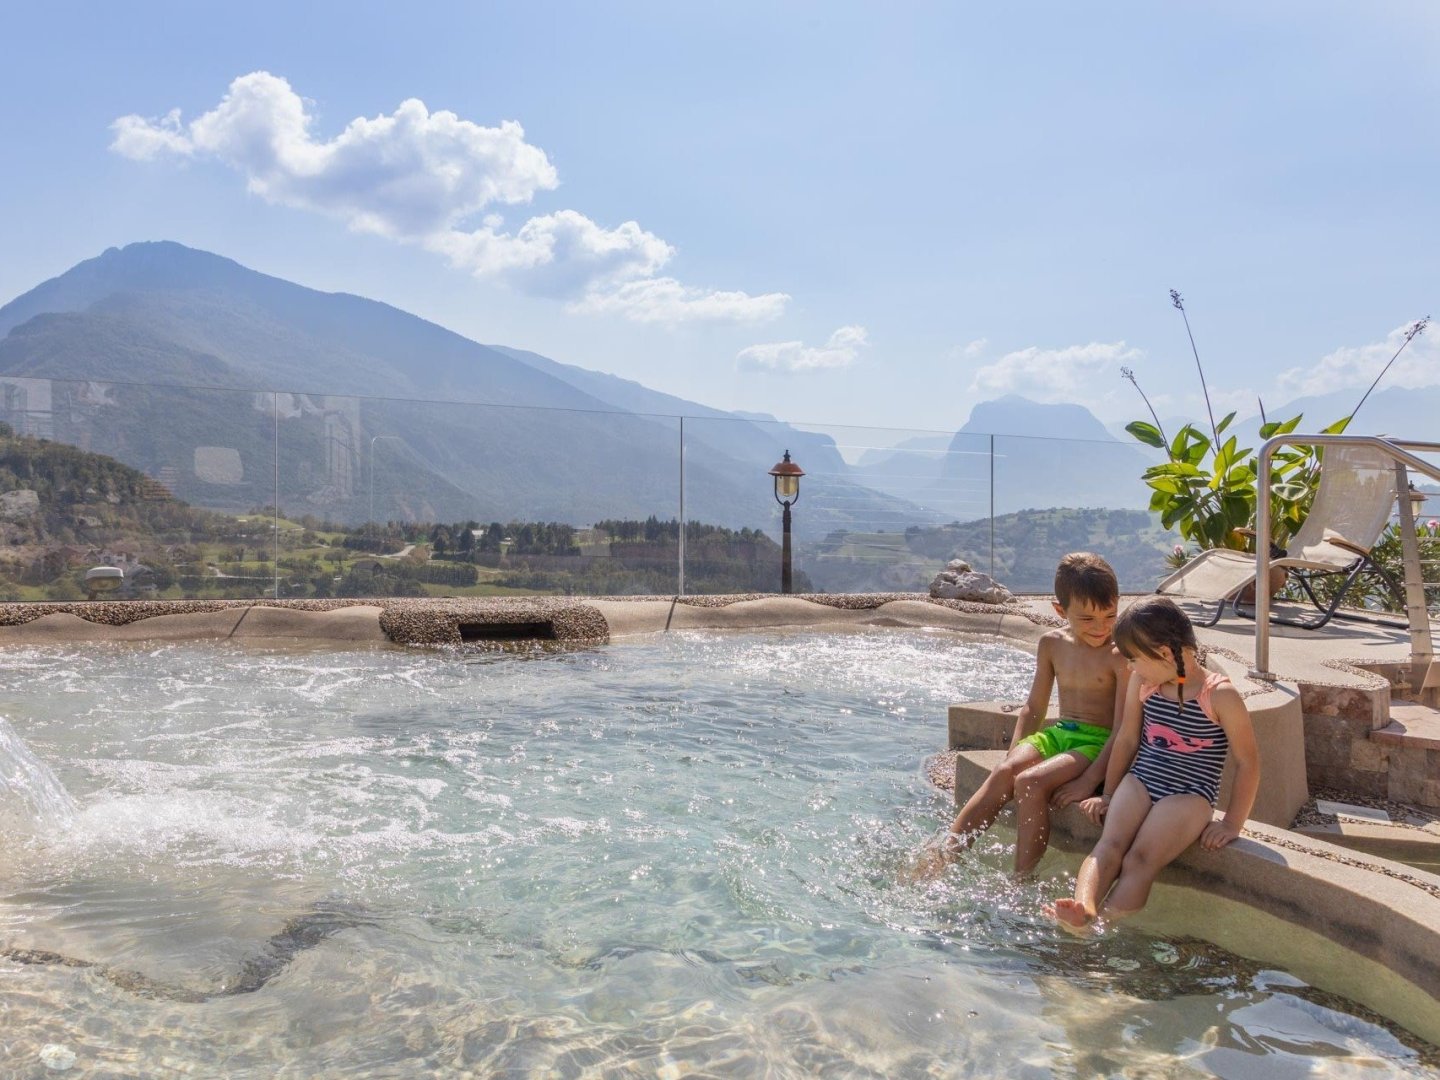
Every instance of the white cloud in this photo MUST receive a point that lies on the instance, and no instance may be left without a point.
(143, 140)
(559, 254)
(404, 176)
(665, 300)
(418, 177)
(1079, 373)
(795, 357)
(1355, 367)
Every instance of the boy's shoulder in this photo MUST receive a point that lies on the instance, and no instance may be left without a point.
(1064, 637)
(1062, 641)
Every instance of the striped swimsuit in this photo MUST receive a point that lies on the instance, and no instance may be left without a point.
(1182, 749)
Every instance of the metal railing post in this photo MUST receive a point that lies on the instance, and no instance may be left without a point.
(680, 575)
(992, 507)
(1262, 564)
(275, 522)
(1416, 613)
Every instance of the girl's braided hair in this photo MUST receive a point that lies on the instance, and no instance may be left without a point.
(1152, 623)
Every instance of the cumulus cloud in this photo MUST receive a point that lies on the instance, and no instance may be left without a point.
(143, 140)
(795, 357)
(665, 300)
(558, 254)
(1355, 367)
(422, 178)
(1075, 373)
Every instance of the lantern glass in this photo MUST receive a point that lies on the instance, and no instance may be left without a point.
(787, 487)
(1417, 500)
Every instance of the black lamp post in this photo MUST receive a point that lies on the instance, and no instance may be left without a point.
(1417, 500)
(787, 492)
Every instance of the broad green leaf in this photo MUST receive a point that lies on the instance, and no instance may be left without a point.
(1185, 439)
(1148, 434)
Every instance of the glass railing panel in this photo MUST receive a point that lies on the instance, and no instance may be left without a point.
(165, 484)
(1054, 496)
(388, 497)
(872, 508)
(1385, 591)
(1426, 512)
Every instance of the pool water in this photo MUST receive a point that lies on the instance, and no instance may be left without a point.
(673, 857)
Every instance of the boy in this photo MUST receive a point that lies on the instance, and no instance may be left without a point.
(1065, 762)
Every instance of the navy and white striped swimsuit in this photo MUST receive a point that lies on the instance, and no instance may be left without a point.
(1182, 749)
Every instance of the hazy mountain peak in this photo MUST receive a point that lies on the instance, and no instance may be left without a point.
(1016, 415)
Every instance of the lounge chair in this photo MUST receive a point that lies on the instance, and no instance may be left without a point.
(1351, 508)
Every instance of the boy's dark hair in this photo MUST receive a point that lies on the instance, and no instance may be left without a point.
(1148, 624)
(1083, 575)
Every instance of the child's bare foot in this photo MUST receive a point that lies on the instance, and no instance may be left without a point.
(928, 865)
(1071, 915)
(932, 860)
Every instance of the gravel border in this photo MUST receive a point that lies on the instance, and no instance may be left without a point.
(436, 620)
(1402, 815)
(405, 620)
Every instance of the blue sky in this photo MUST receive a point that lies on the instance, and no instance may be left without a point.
(830, 212)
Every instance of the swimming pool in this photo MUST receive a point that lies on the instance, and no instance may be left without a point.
(670, 857)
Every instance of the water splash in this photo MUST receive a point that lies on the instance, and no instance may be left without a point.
(32, 799)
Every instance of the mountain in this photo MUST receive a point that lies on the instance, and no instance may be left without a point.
(1031, 455)
(1399, 411)
(1037, 456)
(879, 458)
(112, 355)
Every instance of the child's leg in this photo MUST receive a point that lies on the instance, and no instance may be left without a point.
(982, 808)
(1174, 823)
(1033, 789)
(1128, 811)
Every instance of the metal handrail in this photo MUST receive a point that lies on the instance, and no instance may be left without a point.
(1399, 451)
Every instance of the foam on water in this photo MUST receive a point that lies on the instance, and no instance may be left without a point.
(32, 799)
(662, 857)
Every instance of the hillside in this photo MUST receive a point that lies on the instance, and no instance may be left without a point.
(1027, 545)
(63, 509)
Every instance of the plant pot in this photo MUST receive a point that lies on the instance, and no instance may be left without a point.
(1278, 574)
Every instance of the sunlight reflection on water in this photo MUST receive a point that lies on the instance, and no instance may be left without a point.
(667, 856)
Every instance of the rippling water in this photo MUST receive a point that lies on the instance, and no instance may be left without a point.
(675, 857)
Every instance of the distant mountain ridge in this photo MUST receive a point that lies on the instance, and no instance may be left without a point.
(1014, 454)
(384, 408)
(542, 446)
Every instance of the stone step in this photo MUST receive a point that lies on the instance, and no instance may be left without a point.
(1398, 761)
(1411, 725)
(1417, 843)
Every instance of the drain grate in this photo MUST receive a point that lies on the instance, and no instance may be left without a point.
(507, 631)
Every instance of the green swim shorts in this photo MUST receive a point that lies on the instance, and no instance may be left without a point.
(1066, 735)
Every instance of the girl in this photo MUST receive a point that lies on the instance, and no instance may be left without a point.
(1164, 771)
